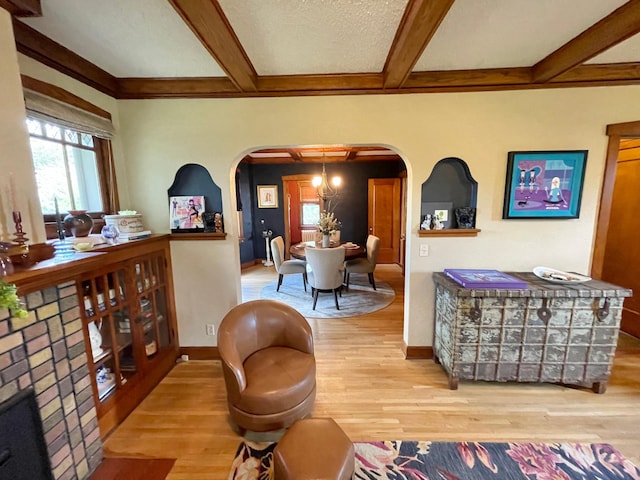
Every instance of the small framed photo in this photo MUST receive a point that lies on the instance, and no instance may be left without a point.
(185, 212)
(267, 196)
(544, 184)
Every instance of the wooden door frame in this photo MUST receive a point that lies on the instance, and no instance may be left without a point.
(616, 132)
(287, 205)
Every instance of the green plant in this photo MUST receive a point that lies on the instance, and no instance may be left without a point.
(9, 299)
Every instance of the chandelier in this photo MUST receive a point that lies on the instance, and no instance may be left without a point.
(326, 191)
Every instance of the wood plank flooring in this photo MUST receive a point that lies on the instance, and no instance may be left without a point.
(373, 393)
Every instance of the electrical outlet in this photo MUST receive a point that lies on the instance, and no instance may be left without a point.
(424, 250)
(211, 329)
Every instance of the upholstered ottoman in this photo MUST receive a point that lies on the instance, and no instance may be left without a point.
(314, 448)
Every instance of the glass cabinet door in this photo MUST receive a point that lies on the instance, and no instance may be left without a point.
(150, 282)
(107, 320)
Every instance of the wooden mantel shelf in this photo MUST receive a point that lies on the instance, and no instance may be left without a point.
(450, 232)
(197, 236)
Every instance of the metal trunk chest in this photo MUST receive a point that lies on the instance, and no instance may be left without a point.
(545, 333)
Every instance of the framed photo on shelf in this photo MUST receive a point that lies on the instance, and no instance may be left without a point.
(544, 185)
(267, 196)
(185, 212)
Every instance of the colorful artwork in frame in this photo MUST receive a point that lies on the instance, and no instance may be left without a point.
(186, 212)
(544, 184)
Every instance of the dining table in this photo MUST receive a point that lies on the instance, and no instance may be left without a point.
(351, 250)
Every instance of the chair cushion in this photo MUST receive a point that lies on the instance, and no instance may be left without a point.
(292, 266)
(278, 378)
(359, 265)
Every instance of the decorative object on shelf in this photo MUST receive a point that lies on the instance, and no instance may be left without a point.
(441, 214)
(59, 225)
(267, 196)
(186, 212)
(544, 184)
(329, 194)
(127, 221)
(466, 217)
(110, 233)
(95, 338)
(9, 299)
(19, 235)
(63, 250)
(208, 218)
(558, 276)
(426, 223)
(79, 222)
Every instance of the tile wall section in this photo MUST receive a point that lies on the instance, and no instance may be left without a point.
(46, 351)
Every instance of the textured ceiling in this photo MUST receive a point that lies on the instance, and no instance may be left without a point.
(285, 37)
(508, 33)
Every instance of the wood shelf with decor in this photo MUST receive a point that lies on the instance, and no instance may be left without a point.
(128, 313)
(450, 232)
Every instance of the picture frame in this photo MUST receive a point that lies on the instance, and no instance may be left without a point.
(267, 196)
(185, 212)
(544, 184)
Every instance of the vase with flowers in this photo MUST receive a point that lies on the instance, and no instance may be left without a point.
(9, 300)
(327, 225)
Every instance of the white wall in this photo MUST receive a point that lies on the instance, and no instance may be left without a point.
(156, 137)
(15, 156)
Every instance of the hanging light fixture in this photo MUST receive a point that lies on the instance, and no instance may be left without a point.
(325, 191)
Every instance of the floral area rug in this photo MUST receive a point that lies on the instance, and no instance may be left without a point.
(405, 460)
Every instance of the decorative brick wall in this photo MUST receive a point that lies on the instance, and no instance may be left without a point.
(46, 351)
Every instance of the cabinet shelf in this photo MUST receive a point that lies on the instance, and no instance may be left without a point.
(450, 232)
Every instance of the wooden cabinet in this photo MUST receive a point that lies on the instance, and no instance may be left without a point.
(128, 313)
(545, 333)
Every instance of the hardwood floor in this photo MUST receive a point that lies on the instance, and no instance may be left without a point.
(373, 393)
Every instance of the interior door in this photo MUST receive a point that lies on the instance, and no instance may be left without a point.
(622, 250)
(384, 215)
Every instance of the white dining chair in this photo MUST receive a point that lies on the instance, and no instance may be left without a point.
(285, 267)
(324, 271)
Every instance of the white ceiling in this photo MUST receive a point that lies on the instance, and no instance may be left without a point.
(147, 38)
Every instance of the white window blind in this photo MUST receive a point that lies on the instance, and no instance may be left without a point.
(49, 109)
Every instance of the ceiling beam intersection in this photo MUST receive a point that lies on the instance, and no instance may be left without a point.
(419, 23)
(621, 24)
(207, 21)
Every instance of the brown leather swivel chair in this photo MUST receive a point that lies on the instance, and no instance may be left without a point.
(268, 363)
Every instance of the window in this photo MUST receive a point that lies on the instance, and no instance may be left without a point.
(66, 167)
(309, 205)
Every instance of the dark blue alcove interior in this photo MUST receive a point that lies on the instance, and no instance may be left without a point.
(194, 179)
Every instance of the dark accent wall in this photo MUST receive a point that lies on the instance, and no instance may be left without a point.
(351, 210)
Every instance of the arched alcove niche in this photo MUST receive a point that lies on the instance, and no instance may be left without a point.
(195, 180)
(450, 186)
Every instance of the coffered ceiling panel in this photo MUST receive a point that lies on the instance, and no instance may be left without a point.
(127, 38)
(285, 37)
(508, 33)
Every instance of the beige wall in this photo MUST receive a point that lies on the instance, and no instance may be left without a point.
(156, 137)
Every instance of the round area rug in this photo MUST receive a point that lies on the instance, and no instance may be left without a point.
(359, 300)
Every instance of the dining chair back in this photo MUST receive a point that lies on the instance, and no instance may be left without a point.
(364, 265)
(325, 274)
(285, 267)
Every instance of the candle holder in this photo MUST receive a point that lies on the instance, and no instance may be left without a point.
(19, 236)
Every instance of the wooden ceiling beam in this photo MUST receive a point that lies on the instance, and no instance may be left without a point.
(621, 24)
(419, 23)
(347, 81)
(33, 44)
(295, 155)
(191, 87)
(351, 155)
(207, 21)
(22, 8)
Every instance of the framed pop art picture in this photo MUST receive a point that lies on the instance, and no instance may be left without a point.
(185, 212)
(544, 185)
